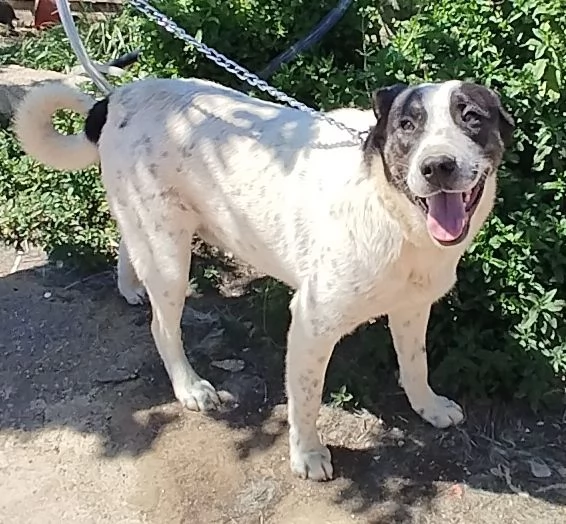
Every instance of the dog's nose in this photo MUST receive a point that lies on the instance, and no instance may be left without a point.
(438, 168)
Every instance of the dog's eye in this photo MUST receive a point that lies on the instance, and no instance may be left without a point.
(471, 117)
(407, 125)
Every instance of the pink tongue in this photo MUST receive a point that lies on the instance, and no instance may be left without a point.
(446, 218)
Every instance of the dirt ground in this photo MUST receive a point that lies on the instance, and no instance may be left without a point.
(90, 431)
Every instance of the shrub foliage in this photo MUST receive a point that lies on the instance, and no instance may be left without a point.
(502, 329)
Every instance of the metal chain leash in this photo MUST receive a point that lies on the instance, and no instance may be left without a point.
(232, 67)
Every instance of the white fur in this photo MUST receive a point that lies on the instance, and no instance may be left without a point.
(283, 191)
(49, 146)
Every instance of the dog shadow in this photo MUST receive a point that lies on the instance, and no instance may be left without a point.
(74, 355)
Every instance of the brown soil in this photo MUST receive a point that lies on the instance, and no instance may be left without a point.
(90, 431)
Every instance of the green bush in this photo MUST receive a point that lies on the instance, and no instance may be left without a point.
(502, 330)
(509, 335)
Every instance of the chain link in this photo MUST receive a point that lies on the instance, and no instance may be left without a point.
(236, 69)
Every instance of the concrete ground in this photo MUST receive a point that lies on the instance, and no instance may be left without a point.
(90, 431)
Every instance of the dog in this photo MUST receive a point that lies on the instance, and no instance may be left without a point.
(8, 16)
(358, 230)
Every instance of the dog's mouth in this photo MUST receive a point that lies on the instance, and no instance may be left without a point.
(448, 215)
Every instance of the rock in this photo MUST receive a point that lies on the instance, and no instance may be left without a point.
(15, 81)
(233, 365)
(539, 469)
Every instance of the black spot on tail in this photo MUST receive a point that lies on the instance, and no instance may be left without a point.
(95, 120)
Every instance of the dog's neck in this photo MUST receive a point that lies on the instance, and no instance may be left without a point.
(397, 204)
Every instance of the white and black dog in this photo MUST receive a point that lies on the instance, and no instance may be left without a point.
(358, 231)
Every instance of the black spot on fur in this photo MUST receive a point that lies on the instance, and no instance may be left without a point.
(394, 107)
(95, 120)
(382, 100)
(478, 112)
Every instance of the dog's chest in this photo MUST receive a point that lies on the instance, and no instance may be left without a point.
(428, 282)
(425, 277)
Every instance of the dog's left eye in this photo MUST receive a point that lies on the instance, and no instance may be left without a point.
(470, 116)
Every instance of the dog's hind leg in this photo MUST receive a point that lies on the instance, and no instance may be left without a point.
(129, 285)
(160, 253)
(167, 297)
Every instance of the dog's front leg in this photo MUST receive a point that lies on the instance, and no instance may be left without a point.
(408, 328)
(310, 343)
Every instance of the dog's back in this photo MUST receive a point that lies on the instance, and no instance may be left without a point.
(222, 150)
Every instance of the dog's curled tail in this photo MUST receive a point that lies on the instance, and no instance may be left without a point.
(33, 124)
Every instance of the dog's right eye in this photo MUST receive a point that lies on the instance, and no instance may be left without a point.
(407, 125)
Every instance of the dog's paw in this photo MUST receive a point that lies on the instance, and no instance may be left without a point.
(200, 396)
(134, 295)
(440, 411)
(314, 465)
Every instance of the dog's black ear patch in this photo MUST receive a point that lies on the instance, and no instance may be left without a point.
(381, 102)
(506, 122)
(95, 120)
(382, 99)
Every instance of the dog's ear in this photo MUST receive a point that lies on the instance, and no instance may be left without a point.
(506, 122)
(381, 101)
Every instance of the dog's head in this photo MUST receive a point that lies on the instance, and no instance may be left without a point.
(440, 143)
